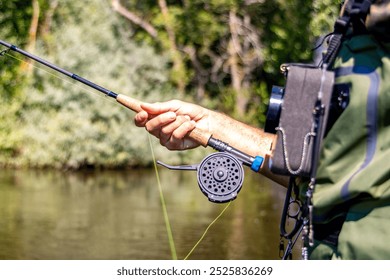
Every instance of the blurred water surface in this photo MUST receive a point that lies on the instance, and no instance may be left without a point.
(117, 215)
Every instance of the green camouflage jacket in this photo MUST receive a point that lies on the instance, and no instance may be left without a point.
(353, 178)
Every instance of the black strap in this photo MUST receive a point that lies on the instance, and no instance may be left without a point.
(329, 233)
(354, 14)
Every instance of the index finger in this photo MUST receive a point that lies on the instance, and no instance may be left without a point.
(160, 107)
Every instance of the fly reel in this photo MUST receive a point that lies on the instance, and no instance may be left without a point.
(220, 176)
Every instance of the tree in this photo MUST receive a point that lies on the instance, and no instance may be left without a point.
(66, 125)
(224, 53)
(226, 49)
(15, 18)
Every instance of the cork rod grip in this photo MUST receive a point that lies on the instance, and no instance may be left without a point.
(198, 135)
(131, 103)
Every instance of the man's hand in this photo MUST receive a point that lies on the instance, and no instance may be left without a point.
(171, 121)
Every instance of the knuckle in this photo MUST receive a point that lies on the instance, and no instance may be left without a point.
(165, 130)
(163, 143)
(149, 128)
(174, 103)
(178, 134)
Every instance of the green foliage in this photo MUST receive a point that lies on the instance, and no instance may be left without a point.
(68, 125)
(14, 20)
(48, 120)
(286, 31)
(286, 35)
(323, 17)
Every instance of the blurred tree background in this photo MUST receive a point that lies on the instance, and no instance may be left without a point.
(222, 54)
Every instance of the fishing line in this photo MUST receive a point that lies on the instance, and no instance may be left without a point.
(78, 85)
(163, 204)
(205, 232)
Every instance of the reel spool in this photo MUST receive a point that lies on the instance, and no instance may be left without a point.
(220, 177)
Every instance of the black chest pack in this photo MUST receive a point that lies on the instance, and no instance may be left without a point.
(300, 115)
(309, 95)
(293, 114)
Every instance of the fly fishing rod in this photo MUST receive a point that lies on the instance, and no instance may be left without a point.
(224, 177)
(197, 135)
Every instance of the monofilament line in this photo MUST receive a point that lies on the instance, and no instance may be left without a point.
(205, 232)
(163, 205)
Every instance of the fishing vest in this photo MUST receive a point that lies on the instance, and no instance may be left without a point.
(352, 194)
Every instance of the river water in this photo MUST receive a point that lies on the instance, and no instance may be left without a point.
(113, 215)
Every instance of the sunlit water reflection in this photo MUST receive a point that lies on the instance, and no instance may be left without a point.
(117, 215)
